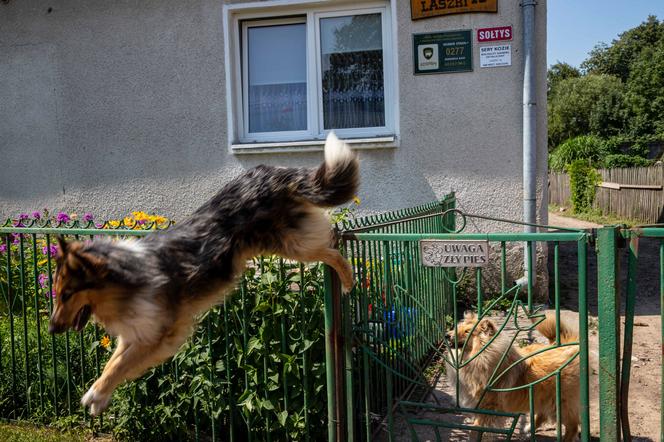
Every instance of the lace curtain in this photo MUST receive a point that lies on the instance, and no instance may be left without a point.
(278, 107)
(353, 94)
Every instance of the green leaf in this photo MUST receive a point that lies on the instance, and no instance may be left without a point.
(282, 416)
(254, 344)
(267, 404)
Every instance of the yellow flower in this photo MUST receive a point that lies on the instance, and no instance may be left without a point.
(160, 219)
(114, 223)
(129, 221)
(105, 342)
(141, 216)
(356, 200)
(42, 261)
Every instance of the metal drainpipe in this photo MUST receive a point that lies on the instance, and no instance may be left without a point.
(529, 128)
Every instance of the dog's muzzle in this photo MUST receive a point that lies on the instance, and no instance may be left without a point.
(55, 328)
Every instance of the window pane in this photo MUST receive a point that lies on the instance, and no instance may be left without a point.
(277, 78)
(352, 71)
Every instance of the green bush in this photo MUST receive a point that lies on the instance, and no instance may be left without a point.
(583, 179)
(615, 161)
(586, 147)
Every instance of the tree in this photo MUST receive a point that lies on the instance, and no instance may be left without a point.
(558, 72)
(590, 104)
(645, 92)
(616, 59)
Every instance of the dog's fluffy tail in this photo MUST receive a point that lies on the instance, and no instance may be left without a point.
(336, 180)
(548, 329)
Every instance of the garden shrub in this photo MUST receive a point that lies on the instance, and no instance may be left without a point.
(615, 161)
(583, 179)
(586, 147)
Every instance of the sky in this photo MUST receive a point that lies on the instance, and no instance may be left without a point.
(576, 26)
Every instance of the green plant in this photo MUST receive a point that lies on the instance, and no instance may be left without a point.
(620, 160)
(586, 147)
(583, 179)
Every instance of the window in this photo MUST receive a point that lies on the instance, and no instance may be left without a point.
(306, 73)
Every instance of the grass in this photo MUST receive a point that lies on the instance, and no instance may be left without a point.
(12, 432)
(594, 216)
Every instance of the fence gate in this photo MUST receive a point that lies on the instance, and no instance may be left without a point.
(615, 369)
(387, 339)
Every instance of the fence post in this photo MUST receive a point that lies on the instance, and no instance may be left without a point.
(334, 357)
(609, 333)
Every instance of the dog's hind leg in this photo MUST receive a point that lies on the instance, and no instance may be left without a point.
(333, 258)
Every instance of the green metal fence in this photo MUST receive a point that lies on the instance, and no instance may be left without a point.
(290, 358)
(253, 371)
(392, 327)
(615, 368)
(381, 341)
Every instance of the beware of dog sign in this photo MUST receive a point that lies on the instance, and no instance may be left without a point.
(443, 253)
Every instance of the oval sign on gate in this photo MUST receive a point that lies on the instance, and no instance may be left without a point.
(457, 253)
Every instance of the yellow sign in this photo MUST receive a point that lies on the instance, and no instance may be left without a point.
(432, 8)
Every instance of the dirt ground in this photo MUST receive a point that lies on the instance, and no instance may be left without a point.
(645, 381)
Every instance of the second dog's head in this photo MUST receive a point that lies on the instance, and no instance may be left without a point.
(80, 274)
(468, 329)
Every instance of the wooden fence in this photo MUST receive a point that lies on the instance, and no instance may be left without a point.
(635, 193)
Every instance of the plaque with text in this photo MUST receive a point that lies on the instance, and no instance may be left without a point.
(443, 52)
(461, 253)
(435, 8)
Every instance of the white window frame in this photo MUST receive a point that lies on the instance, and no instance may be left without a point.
(267, 136)
(238, 18)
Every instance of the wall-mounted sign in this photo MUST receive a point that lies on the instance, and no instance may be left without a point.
(443, 253)
(432, 8)
(501, 33)
(442, 52)
(495, 56)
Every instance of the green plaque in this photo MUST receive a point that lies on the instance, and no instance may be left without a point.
(443, 52)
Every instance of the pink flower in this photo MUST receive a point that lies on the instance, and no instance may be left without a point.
(62, 217)
(43, 280)
(87, 217)
(3, 248)
(51, 249)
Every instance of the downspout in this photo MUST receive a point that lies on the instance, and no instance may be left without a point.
(529, 131)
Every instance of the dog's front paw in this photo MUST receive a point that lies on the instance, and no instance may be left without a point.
(96, 401)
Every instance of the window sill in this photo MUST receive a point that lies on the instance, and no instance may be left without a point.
(388, 142)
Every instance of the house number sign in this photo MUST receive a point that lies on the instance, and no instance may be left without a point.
(443, 253)
(442, 52)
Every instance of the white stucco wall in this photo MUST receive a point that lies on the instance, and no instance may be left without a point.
(116, 106)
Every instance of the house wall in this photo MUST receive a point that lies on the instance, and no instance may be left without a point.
(109, 107)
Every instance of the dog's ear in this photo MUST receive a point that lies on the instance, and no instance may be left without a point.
(487, 327)
(469, 315)
(63, 246)
(86, 264)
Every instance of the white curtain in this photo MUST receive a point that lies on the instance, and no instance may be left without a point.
(277, 107)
